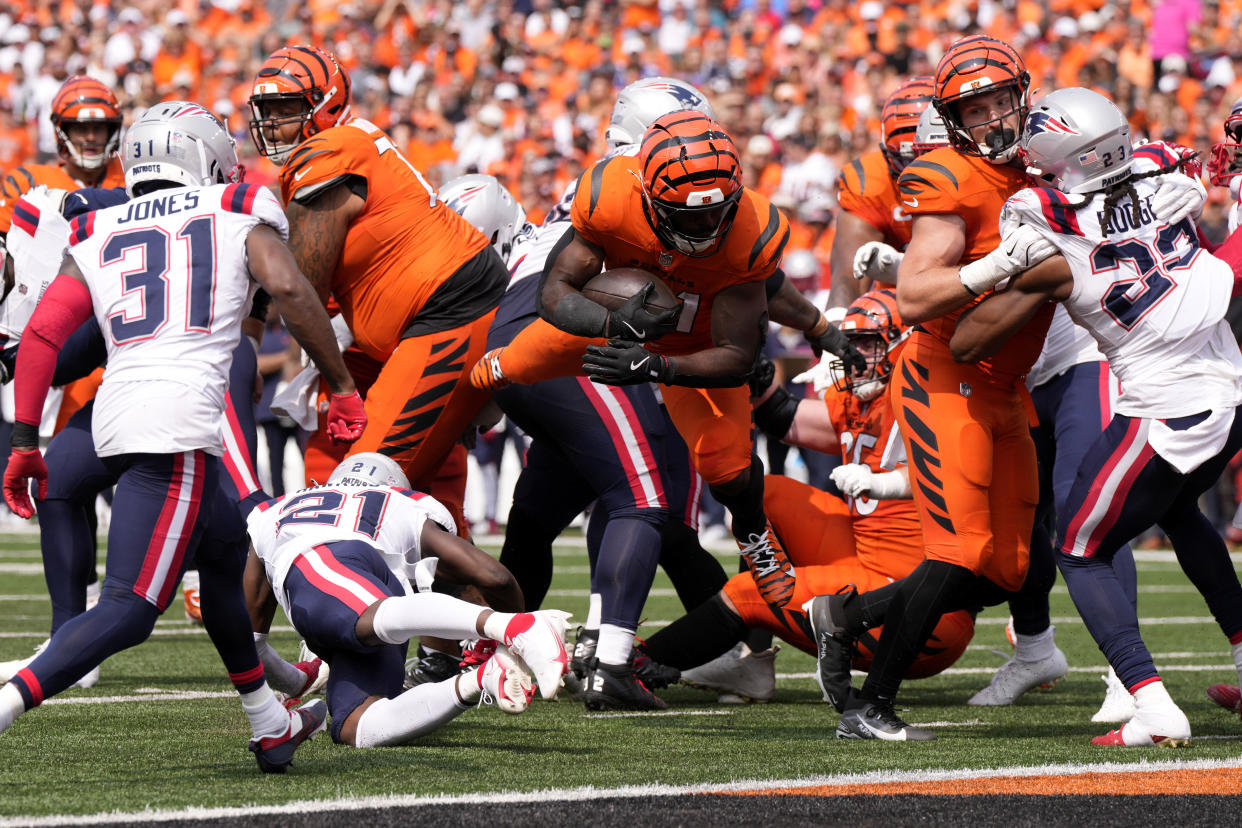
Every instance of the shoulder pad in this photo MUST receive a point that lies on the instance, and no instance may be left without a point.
(91, 198)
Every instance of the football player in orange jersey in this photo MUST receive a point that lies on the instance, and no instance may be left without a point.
(678, 210)
(87, 121)
(860, 543)
(416, 283)
(956, 420)
(871, 212)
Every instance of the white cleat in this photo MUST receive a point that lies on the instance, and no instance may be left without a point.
(740, 675)
(1118, 704)
(505, 682)
(1016, 677)
(1165, 726)
(541, 647)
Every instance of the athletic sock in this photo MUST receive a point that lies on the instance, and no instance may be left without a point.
(12, 705)
(399, 619)
(417, 711)
(268, 717)
(615, 644)
(1035, 647)
(695, 572)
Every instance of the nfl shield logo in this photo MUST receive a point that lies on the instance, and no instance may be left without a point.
(964, 389)
(666, 259)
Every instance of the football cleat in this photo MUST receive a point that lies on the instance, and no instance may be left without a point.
(1227, 696)
(275, 753)
(834, 645)
(505, 683)
(770, 566)
(584, 651)
(651, 673)
(316, 671)
(486, 374)
(616, 687)
(877, 720)
(193, 607)
(431, 667)
(1118, 704)
(739, 674)
(538, 639)
(1015, 677)
(1165, 727)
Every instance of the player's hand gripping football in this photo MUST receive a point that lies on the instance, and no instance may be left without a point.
(622, 362)
(24, 465)
(634, 323)
(346, 417)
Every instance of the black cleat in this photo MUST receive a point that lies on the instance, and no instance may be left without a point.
(651, 673)
(275, 753)
(609, 687)
(431, 667)
(865, 719)
(834, 645)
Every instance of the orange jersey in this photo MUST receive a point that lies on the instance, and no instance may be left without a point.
(18, 182)
(609, 212)
(945, 181)
(887, 533)
(866, 190)
(404, 244)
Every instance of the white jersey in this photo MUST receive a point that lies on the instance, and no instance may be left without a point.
(1150, 295)
(531, 249)
(1065, 346)
(387, 518)
(170, 286)
(37, 242)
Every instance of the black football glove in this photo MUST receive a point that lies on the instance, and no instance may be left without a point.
(622, 362)
(838, 344)
(762, 376)
(634, 323)
(8, 363)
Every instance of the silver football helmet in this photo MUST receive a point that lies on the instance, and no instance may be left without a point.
(368, 468)
(1077, 140)
(178, 142)
(931, 132)
(484, 202)
(640, 103)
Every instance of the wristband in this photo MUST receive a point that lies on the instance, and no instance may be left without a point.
(966, 284)
(25, 434)
(820, 326)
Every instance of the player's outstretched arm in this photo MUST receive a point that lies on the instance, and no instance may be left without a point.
(464, 564)
(852, 233)
(790, 308)
(273, 265)
(983, 329)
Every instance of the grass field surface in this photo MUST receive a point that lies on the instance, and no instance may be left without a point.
(163, 728)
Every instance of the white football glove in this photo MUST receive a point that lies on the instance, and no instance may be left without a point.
(822, 375)
(877, 260)
(1020, 249)
(852, 479)
(1178, 197)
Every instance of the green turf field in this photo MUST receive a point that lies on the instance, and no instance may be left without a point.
(136, 749)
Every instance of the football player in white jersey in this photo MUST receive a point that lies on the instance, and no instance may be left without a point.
(339, 558)
(168, 276)
(1154, 301)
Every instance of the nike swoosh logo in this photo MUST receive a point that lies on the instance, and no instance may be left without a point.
(914, 202)
(637, 333)
(634, 366)
(298, 176)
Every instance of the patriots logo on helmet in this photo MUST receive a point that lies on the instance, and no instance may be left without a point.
(684, 96)
(1038, 122)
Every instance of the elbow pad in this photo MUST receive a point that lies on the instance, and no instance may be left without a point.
(776, 415)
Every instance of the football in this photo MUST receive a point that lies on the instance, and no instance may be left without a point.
(612, 287)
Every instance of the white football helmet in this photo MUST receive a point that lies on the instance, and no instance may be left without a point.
(484, 202)
(640, 103)
(1077, 140)
(181, 143)
(369, 468)
(931, 132)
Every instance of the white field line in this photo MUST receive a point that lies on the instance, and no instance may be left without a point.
(1100, 670)
(160, 630)
(646, 715)
(589, 793)
(180, 695)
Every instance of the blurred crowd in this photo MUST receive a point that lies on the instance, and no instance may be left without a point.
(522, 89)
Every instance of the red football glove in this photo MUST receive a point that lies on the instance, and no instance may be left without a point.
(24, 465)
(346, 417)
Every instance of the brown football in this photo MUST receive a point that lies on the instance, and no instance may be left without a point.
(612, 287)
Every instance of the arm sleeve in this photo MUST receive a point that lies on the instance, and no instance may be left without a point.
(65, 306)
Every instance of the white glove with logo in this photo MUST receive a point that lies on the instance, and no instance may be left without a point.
(1178, 197)
(1019, 250)
(877, 260)
(854, 479)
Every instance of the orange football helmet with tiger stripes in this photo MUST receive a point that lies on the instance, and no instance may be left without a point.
(974, 66)
(899, 120)
(82, 99)
(873, 326)
(304, 74)
(692, 181)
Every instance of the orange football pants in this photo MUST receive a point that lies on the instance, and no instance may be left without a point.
(715, 422)
(972, 461)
